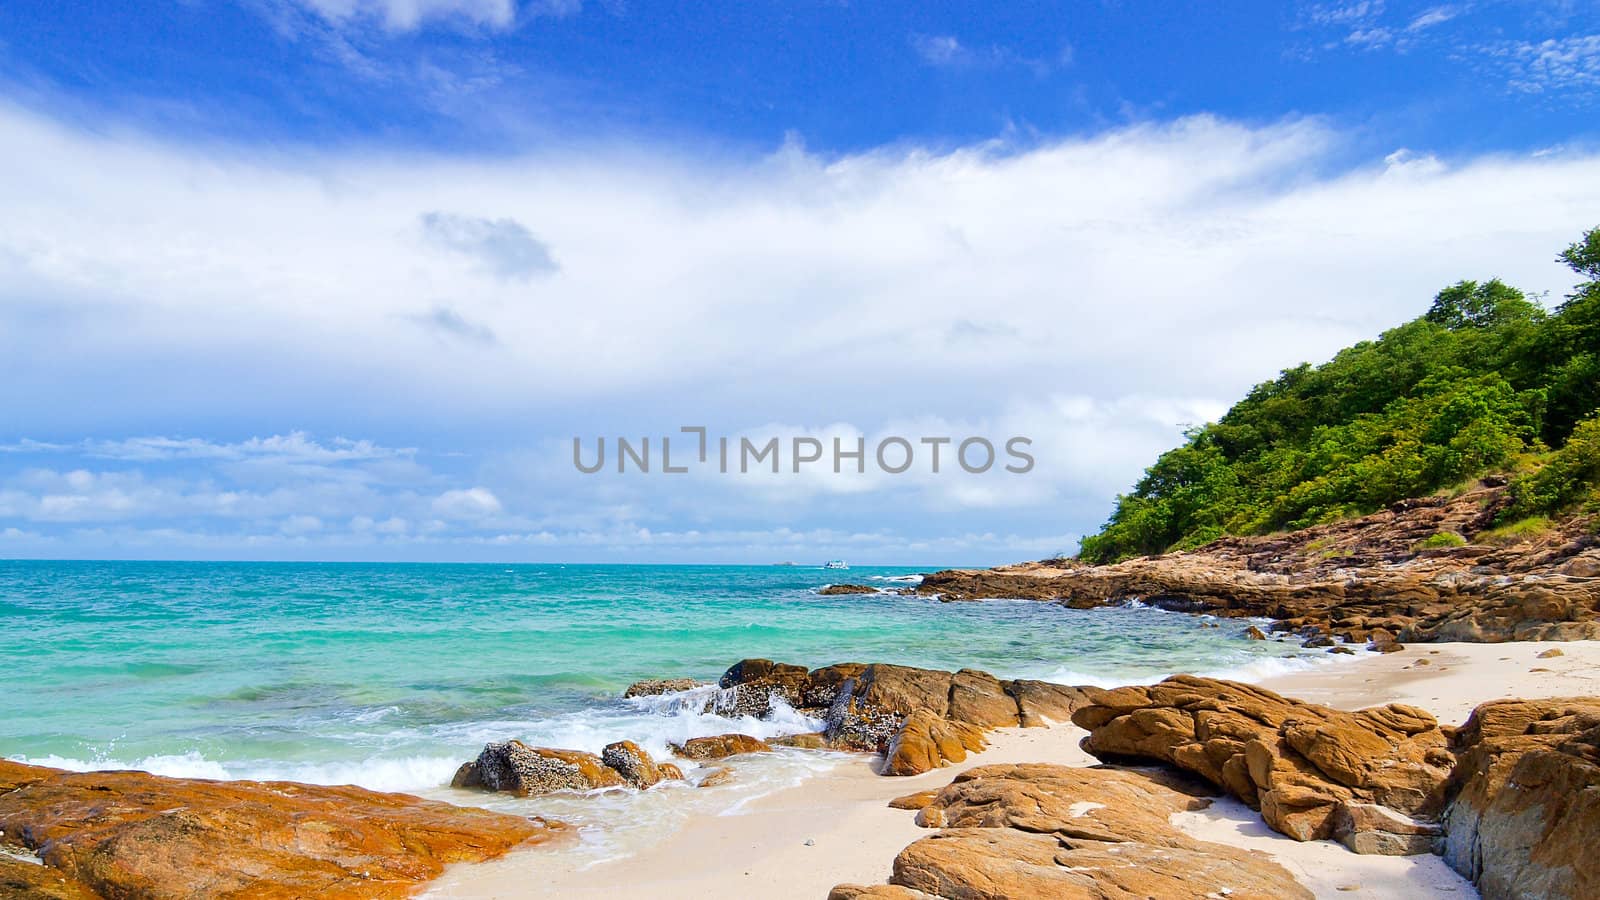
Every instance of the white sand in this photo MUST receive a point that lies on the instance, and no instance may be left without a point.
(764, 851)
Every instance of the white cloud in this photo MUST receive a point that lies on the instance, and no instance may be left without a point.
(1437, 15)
(1558, 65)
(468, 503)
(1092, 292)
(404, 15)
(504, 247)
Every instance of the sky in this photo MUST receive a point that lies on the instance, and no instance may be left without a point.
(345, 279)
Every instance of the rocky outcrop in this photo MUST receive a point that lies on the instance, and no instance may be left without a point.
(1374, 779)
(720, 746)
(832, 590)
(1047, 831)
(516, 768)
(1348, 579)
(136, 835)
(655, 687)
(919, 719)
(1524, 811)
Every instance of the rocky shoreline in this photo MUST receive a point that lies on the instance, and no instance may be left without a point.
(1509, 798)
(1382, 577)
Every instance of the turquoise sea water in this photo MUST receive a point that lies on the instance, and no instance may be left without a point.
(391, 675)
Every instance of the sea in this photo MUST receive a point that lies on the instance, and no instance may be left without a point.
(389, 676)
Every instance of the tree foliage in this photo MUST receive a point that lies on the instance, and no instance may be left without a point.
(1486, 377)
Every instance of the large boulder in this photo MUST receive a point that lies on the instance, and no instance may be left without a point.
(515, 767)
(904, 712)
(1524, 813)
(1047, 831)
(132, 834)
(1307, 768)
(926, 742)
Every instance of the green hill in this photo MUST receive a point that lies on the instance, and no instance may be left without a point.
(1487, 380)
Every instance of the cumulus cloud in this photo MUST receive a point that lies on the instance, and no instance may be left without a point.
(468, 503)
(504, 247)
(1094, 291)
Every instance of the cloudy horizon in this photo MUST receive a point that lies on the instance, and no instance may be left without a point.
(224, 345)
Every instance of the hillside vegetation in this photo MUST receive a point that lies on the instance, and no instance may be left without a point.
(1486, 381)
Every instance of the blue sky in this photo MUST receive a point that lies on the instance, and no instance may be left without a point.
(341, 279)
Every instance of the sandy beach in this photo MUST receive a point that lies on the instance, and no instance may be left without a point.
(837, 827)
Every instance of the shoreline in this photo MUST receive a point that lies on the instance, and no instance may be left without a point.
(836, 827)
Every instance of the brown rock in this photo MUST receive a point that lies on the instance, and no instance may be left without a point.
(837, 589)
(926, 742)
(720, 746)
(654, 687)
(1043, 831)
(1348, 577)
(914, 801)
(1299, 763)
(131, 834)
(978, 698)
(634, 764)
(809, 741)
(716, 776)
(1255, 634)
(517, 768)
(30, 881)
(1041, 702)
(876, 892)
(1552, 653)
(1525, 799)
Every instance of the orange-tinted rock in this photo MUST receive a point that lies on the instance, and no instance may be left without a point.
(716, 776)
(517, 768)
(1524, 814)
(978, 698)
(926, 742)
(1046, 831)
(634, 764)
(1041, 702)
(1299, 763)
(131, 834)
(30, 881)
(808, 741)
(720, 746)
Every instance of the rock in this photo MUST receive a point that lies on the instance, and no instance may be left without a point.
(1041, 702)
(927, 741)
(876, 892)
(1552, 653)
(1348, 578)
(1300, 764)
(720, 746)
(1255, 634)
(131, 834)
(868, 707)
(1046, 831)
(1525, 799)
(914, 801)
(1368, 828)
(654, 687)
(635, 765)
(517, 768)
(978, 698)
(1345, 650)
(30, 881)
(716, 776)
(837, 589)
(754, 682)
(1317, 642)
(809, 741)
